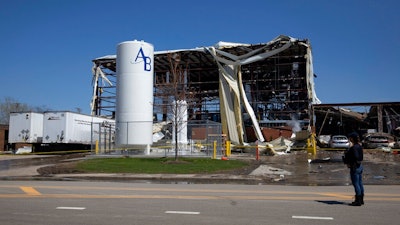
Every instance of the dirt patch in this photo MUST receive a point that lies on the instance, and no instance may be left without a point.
(59, 168)
(327, 168)
(61, 164)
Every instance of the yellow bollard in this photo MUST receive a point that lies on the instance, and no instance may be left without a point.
(312, 145)
(96, 148)
(228, 148)
(215, 150)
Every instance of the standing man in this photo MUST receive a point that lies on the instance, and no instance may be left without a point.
(353, 158)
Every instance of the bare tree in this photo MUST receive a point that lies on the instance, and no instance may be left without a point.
(78, 110)
(178, 94)
(174, 91)
(9, 105)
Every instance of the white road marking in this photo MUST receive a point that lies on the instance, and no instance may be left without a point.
(312, 218)
(71, 208)
(183, 212)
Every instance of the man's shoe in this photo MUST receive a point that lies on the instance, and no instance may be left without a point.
(357, 202)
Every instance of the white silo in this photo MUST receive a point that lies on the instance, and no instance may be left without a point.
(134, 105)
(181, 117)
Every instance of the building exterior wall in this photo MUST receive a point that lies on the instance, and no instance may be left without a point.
(3, 137)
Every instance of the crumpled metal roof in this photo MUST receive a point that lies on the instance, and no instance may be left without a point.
(200, 58)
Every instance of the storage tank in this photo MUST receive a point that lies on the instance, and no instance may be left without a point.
(134, 105)
(181, 117)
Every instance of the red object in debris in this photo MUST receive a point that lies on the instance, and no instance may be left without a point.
(224, 158)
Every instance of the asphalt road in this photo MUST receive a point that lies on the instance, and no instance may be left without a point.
(60, 202)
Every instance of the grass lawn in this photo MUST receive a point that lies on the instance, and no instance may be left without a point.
(158, 165)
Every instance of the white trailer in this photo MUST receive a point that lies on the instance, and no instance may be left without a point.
(63, 127)
(25, 127)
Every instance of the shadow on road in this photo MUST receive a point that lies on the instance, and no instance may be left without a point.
(332, 202)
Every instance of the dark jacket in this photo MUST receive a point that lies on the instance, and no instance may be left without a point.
(354, 156)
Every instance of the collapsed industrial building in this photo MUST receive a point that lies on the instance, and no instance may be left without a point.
(256, 92)
(247, 88)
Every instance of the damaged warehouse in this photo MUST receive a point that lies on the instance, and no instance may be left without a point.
(238, 85)
(376, 119)
(256, 92)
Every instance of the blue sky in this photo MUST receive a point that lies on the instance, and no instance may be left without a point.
(46, 46)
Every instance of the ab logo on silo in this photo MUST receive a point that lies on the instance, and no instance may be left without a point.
(141, 57)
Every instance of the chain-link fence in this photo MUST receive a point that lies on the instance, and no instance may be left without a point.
(103, 137)
(208, 136)
(203, 138)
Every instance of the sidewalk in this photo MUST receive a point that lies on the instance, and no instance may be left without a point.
(20, 165)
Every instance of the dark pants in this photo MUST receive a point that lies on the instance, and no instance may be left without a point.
(356, 179)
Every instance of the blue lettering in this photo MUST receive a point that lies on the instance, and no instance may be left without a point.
(145, 59)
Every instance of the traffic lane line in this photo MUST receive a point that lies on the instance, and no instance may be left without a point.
(182, 212)
(342, 195)
(30, 191)
(269, 195)
(312, 217)
(71, 208)
(193, 197)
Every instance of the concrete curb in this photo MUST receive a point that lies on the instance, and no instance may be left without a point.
(156, 178)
